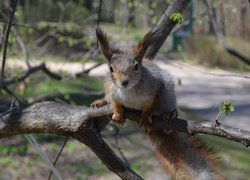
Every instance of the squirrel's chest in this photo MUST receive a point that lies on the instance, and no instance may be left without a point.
(132, 99)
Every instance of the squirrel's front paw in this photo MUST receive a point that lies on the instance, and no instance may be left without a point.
(98, 103)
(118, 118)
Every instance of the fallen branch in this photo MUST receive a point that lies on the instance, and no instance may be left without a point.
(237, 54)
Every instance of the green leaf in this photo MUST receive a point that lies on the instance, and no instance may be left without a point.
(226, 108)
(177, 18)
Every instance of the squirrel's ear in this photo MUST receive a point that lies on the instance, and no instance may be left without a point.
(142, 47)
(104, 43)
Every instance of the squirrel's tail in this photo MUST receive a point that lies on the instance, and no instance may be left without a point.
(185, 157)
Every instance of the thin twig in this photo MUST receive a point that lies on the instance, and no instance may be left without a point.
(119, 149)
(44, 157)
(86, 71)
(20, 25)
(6, 40)
(21, 102)
(58, 155)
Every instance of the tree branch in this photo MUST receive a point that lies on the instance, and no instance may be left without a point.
(95, 142)
(84, 124)
(81, 123)
(62, 119)
(86, 71)
(237, 54)
(164, 26)
(29, 72)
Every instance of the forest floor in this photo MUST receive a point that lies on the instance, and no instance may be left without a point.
(198, 90)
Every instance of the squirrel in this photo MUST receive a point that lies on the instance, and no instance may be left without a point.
(137, 83)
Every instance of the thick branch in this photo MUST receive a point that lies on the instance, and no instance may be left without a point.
(165, 26)
(55, 118)
(80, 123)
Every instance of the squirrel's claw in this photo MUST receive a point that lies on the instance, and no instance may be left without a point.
(170, 115)
(98, 103)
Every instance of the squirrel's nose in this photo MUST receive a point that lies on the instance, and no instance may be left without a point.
(125, 82)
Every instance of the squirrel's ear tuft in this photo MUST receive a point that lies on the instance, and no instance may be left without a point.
(142, 47)
(104, 43)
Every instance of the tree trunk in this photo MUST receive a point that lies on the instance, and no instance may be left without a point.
(222, 19)
(131, 16)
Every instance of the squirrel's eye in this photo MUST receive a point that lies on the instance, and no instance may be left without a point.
(136, 67)
(111, 69)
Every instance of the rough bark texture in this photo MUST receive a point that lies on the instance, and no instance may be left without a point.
(81, 123)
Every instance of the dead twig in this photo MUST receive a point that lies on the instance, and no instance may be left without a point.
(86, 71)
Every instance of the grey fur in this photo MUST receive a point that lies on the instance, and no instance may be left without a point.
(143, 86)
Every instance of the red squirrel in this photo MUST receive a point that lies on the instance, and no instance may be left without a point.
(137, 83)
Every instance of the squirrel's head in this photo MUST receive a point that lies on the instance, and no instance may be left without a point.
(125, 66)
